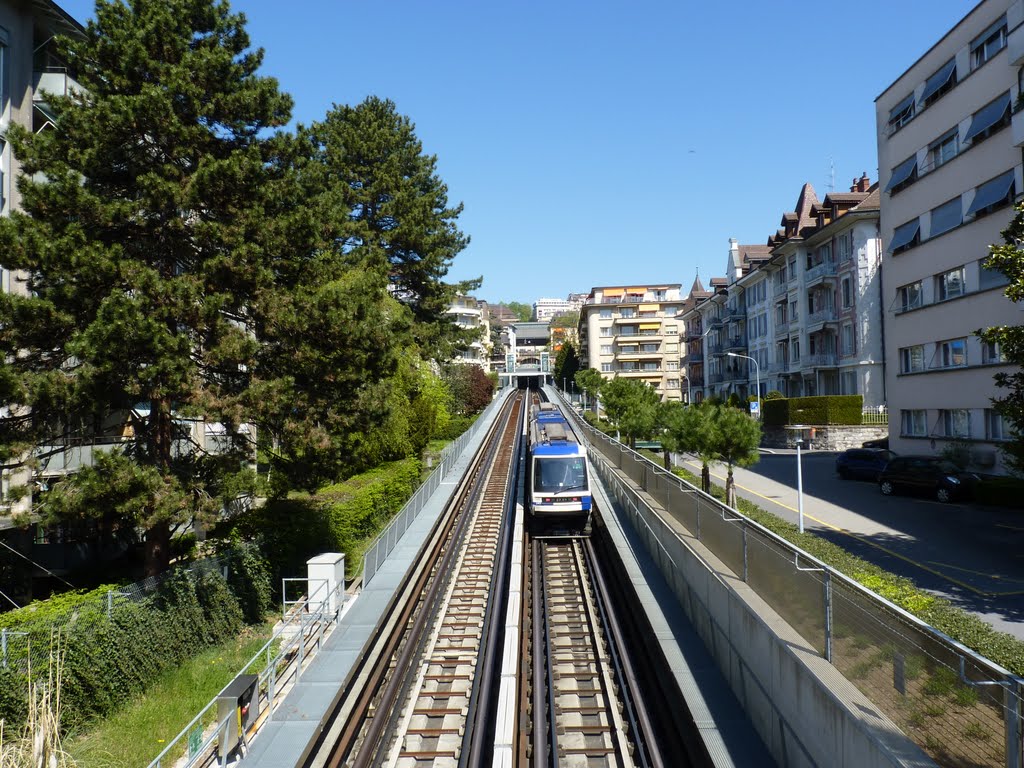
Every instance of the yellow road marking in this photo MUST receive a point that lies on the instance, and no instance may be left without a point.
(862, 540)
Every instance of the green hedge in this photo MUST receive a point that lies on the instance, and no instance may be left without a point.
(823, 409)
(114, 652)
(343, 517)
(1002, 648)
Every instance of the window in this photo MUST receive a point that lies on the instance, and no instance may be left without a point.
(847, 287)
(669, 311)
(848, 383)
(648, 347)
(606, 349)
(914, 423)
(943, 149)
(993, 195)
(939, 84)
(988, 43)
(627, 312)
(909, 296)
(606, 331)
(990, 278)
(607, 367)
(844, 247)
(671, 330)
(994, 428)
(846, 341)
(950, 354)
(955, 422)
(989, 119)
(628, 330)
(912, 359)
(605, 313)
(672, 348)
(992, 353)
(903, 175)
(792, 268)
(950, 284)
(825, 253)
(946, 217)
(671, 383)
(905, 236)
(796, 351)
(901, 114)
(671, 365)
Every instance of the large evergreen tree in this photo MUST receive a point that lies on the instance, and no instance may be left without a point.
(143, 244)
(396, 203)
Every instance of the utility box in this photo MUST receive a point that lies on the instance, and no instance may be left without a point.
(323, 574)
(239, 704)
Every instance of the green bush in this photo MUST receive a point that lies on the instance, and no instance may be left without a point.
(819, 410)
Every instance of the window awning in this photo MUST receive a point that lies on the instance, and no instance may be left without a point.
(945, 217)
(904, 234)
(611, 292)
(650, 326)
(648, 307)
(991, 192)
(939, 79)
(895, 111)
(983, 38)
(636, 290)
(902, 172)
(988, 116)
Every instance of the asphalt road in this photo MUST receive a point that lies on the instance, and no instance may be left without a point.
(970, 554)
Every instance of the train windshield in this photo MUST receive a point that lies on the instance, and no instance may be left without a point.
(555, 474)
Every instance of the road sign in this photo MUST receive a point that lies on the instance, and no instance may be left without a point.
(755, 408)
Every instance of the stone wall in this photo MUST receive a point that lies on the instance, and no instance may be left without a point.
(832, 437)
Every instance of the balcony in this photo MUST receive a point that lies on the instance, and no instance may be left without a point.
(781, 289)
(828, 360)
(818, 320)
(716, 350)
(55, 80)
(640, 372)
(782, 329)
(693, 357)
(1015, 46)
(715, 378)
(735, 343)
(735, 314)
(820, 273)
(1017, 128)
(692, 335)
(715, 322)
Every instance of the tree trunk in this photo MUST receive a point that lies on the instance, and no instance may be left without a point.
(705, 478)
(730, 489)
(158, 548)
(158, 536)
(668, 461)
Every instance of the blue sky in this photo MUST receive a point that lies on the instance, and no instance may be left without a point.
(600, 143)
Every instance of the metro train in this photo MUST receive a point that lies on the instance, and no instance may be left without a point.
(557, 481)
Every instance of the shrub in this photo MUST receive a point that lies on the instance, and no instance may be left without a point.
(773, 394)
(823, 409)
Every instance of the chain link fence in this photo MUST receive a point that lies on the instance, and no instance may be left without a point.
(961, 708)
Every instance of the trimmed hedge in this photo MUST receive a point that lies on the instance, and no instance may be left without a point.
(343, 517)
(1002, 648)
(819, 410)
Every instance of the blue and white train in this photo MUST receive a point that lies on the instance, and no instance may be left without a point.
(557, 482)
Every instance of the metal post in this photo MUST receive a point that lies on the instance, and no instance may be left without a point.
(799, 485)
(828, 616)
(3, 645)
(1012, 692)
(110, 603)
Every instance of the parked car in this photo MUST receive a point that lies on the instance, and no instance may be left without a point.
(930, 475)
(862, 462)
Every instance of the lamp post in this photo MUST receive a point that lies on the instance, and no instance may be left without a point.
(757, 377)
(799, 430)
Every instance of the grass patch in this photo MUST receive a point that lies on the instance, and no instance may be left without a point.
(135, 734)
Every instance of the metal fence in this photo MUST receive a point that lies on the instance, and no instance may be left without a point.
(382, 546)
(306, 621)
(874, 416)
(961, 708)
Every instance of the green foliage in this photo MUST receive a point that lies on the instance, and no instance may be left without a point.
(819, 410)
(114, 649)
(471, 389)
(632, 406)
(567, 365)
(773, 394)
(590, 381)
(524, 312)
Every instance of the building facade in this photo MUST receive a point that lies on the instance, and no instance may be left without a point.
(471, 314)
(634, 332)
(545, 309)
(949, 156)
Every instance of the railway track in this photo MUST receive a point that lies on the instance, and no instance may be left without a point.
(421, 702)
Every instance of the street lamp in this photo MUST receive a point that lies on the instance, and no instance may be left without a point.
(757, 377)
(687, 388)
(799, 430)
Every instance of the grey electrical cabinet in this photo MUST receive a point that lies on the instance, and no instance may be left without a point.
(239, 704)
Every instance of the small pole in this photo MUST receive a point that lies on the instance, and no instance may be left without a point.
(3, 645)
(799, 484)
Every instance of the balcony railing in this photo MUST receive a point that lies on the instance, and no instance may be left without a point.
(818, 318)
(715, 322)
(55, 80)
(781, 329)
(694, 357)
(825, 269)
(736, 342)
(781, 289)
(828, 360)
(715, 378)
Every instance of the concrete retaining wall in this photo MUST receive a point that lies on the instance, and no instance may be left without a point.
(805, 711)
(826, 438)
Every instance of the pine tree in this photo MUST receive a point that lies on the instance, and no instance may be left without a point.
(396, 203)
(144, 251)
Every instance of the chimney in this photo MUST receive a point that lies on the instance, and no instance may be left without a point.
(853, 186)
(864, 184)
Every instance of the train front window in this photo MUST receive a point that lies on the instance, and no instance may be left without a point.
(552, 475)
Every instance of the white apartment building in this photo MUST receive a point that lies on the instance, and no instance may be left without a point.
(633, 332)
(950, 166)
(801, 315)
(470, 313)
(545, 309)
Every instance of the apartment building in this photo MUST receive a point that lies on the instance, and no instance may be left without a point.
(815, 288)
(633, 332)
(28, 66)
(471, 314)
(950, 166)
(545, 309)
(692, 326)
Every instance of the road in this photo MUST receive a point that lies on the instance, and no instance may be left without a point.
(970, 554)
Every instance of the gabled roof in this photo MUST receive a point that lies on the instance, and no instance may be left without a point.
(872, 202)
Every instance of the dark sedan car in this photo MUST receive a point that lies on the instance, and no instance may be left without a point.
(930, 475)
(862, 462)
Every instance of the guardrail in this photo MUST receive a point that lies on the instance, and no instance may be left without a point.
(277, 664)
(382, 546)
(959, 706)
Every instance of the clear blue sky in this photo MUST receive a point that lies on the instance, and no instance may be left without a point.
(596, 142)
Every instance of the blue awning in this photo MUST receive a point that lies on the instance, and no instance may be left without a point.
(988, 116)
(991, 192)
(902, 172)
(945, 217)
(895, 111)
(939, 79)
(904, 234)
